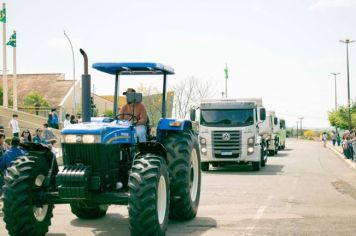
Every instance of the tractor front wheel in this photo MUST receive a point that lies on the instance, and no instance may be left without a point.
(149, 196)
(24, 214)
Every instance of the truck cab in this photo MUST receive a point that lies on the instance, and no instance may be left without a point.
(229, 132)
(273, 137)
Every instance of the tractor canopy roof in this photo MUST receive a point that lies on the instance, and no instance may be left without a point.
(134, 68)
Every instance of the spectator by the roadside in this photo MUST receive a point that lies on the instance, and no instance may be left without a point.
(26, 136)
(324, 138)
(55, 119)
(338, 139)
(12, 154)
(67, 120)
(2, 145)
(38, 138)
(333, 137)
(73, 120)
(49, 119)
(47, 133)
(14, 125)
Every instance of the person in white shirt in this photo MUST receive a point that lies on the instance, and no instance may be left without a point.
(14, 125)
(67, 120)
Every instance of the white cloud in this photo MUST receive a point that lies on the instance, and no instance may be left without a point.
(327, 4)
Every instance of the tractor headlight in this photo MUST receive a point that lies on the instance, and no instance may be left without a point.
(91, 138)
(70, 138)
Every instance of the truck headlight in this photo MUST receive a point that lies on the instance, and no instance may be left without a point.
(250, 150)
(203, 141)
(251, 140)
(88, 138)
(70, 138)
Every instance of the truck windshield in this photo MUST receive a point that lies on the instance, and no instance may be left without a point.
(228, 117)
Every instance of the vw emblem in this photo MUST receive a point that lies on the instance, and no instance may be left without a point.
(226, 136)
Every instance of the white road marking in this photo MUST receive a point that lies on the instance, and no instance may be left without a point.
(257, 216)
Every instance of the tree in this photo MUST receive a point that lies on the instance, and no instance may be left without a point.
(188, 94)
(152, 98)
(1, 95)
(339, 117)
(35, 99)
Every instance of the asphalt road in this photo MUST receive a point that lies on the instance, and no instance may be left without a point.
(304, 190)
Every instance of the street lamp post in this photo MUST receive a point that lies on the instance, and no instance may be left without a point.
(71, 46)
(347, 41)
(297, 129)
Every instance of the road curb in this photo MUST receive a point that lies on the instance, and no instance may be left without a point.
(341, 156)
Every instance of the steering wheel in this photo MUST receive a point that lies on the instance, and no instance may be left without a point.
(132, 117)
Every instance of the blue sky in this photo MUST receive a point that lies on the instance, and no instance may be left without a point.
(280, 50)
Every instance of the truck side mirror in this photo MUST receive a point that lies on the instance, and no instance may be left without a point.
(275, 120)
(262, 114)
(192, 114)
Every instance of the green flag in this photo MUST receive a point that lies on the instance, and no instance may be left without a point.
(3, 15)
(12, 40)
(226, 72)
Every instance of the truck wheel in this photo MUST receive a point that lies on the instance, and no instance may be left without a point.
(205, 166)
(84, 211)
(24, 214)
(148, 196)
(256, 165)
(271, 152)
(184, 169)
(264, 155)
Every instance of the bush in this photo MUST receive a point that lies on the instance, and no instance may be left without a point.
(309, 134)
(108, 113)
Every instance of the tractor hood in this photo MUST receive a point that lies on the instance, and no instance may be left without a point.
(95, 128)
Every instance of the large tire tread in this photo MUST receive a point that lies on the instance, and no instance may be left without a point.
(19, 184)
(179, 147)
(143, 185)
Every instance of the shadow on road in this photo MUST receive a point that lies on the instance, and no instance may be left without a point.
(280, 154)
(247, 170)
(116, 224)
(287, 149)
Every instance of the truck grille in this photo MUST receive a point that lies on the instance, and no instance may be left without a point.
(226, 144)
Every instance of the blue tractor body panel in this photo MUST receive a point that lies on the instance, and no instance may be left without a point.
(174, 124)
(116, 132)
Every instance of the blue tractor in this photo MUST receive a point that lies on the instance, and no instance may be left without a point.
(105, 164)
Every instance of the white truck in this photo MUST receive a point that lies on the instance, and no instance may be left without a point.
(230, 133)
(273, 127)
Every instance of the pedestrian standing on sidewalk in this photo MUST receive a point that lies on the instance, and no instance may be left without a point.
(47, 133)
(338, 139)
(333, 137)
(55, 119)
(66, 121)
(324, 138)
(14, 125)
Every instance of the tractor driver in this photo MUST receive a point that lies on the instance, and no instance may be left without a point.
(140, 116)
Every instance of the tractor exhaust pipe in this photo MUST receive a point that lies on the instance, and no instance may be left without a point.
(86, 93)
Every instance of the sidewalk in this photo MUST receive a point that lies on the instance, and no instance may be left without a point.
(338, 151)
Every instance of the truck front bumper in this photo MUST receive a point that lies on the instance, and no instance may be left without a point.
(243, 157)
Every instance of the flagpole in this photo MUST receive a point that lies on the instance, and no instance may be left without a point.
(226, 76)
(4, 67)
(14, 87)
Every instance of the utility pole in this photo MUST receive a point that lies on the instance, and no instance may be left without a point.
(347, 41)
(301, 125)
(335, 74)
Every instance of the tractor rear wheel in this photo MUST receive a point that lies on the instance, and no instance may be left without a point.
(24, 214)
(89, 212)
(149, 196)
(185, 174)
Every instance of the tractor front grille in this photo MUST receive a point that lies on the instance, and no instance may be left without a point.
(226, 144)
(99, 156)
